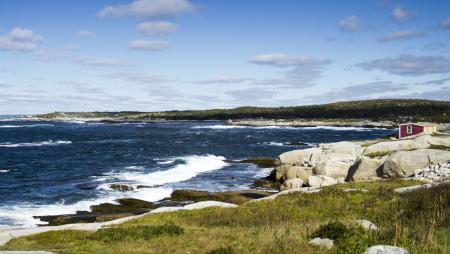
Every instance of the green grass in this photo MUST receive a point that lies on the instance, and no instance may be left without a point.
(418, 221)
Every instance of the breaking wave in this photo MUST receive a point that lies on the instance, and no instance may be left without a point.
(33, 144)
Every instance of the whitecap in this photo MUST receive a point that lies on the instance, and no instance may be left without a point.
(219, 127)
(5, 170)
(135, 167)
(33, 144)
(338, 128)
(166, 162)
(192, 166)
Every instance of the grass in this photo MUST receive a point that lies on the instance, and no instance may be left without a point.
(418, 221)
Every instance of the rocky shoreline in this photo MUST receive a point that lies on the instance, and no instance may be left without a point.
(358, 123)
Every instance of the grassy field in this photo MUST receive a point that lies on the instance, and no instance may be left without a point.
(418, 221)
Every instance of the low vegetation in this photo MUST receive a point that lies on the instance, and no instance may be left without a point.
(418, 221)
(382, 109)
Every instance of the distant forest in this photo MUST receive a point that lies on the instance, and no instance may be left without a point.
(377, 110)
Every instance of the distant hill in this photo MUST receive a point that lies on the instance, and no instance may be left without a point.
(380, 109)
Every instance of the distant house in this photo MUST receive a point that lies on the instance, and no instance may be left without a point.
(412, 129)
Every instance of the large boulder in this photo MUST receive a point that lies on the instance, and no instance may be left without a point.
(317, 181)
(385, 249)
(403, 163)
(295, 183)
(393, 146)
(297, 156)
(344, 147)
(365, 168)
(333, 165)
(286, 172)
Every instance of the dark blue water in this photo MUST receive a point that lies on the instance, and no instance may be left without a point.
(60, 167)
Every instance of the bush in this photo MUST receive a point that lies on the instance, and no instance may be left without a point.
(333, 230)
(144, 232)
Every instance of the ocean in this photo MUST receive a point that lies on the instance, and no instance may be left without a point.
(49, 168)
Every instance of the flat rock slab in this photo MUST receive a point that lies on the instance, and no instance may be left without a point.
(385, 249)
(301, 190)
(418, 187)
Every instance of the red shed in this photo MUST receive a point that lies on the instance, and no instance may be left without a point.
(412, 129)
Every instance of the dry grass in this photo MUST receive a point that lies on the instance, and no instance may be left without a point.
(418, 221)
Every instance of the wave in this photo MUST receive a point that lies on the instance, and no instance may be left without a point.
(190, 167)
(6, 170)
(165, 162)
(22, 214)
(338, 128)
(33, 144)
(219, 127)
(28, 125)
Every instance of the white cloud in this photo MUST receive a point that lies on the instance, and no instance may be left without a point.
(402, 15)
(85, 34)
(222, 80)
(410, 65)
(156, 27)
(20, 39)
(398, 35)
(445, 24)
(148, 9)
(349, 24)
(148, 45)
(283, 60)
(138, 77)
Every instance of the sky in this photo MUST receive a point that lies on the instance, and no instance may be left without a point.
(154, 55)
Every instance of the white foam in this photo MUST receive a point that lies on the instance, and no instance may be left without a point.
(219, 127)
(22, 214)
(166, 162)
(273, 143)
(338, 128)
(27, 125)
(193, 166)
(135, 167)
(5, 170)
(32, 144)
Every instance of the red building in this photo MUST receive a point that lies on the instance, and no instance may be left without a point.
(413, 129)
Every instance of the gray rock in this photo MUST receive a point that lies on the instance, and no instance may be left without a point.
(404, 163)
(291, 184)
(297, 156)
(394, 146)
(385, 249)
(366, 224)
(317, 181)
(333, 165)
(365, 168)
(344, 147)
(323, 243)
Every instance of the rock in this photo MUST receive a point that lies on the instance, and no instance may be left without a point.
(261, 162)
(297, 156)
(404, 163)
(121, 187)
(291, 184)
(394, 146)
(265, 184)
(365, 168)
(235, 197)
(323, 243)
(418, 187)
(297, 143)
(167, 209)
(304, 174)
(344, 147)
(385, 249)
(285, 192)
(206, 204)
(333, 165)
(368, 225)
(317, 181)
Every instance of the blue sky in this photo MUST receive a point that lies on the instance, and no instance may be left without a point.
(151, 55)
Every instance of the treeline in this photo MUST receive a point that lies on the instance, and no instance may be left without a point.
(381, 109)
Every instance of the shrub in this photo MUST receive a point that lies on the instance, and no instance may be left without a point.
(144, 232)
(333, 230)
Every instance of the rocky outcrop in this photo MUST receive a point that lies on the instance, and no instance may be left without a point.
(365, 168)
(291, 184)
(322, 243)
(404, 163)
(358, 161)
